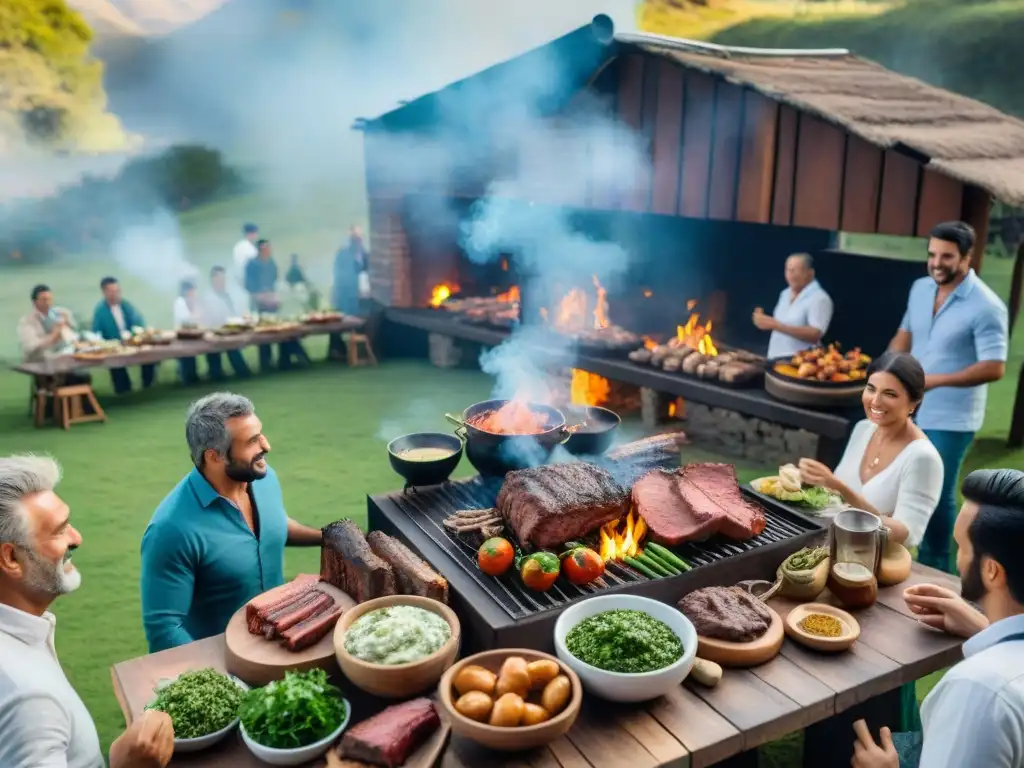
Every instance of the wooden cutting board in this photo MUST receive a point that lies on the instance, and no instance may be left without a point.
(258, 661)
(424, 757)
(759, 651)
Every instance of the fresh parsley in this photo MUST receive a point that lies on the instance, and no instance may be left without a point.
(624, 640)
(295, 712)
(199, 703)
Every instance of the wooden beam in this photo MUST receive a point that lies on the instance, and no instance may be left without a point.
(725, 151)
(862, 184)
(975, 211)
(1017, 419)
(941, 200)
(668, 127)
(819, 174)
(1016, 286)
(757, 160)
(698, 124)
(785, 166)
(898, 208)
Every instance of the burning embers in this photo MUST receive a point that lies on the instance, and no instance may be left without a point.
(501, 310)
(515, 417)
(586, 319)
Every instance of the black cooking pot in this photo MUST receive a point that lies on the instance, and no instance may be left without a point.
(431, 471)
(496, 454)
(596, 433)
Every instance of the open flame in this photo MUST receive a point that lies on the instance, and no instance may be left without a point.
(589, 388)
(513, 418)
(441, 293)
(621, 538)
(695, 333)
(511, 295)
(573, 312)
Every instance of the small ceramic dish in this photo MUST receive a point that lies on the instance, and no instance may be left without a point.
(850, 633)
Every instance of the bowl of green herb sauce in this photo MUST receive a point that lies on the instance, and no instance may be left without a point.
(626, 647)
(203, 706)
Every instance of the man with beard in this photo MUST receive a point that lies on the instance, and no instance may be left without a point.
(975, 715)
(217, 540)
(956, 327)
(43, 722)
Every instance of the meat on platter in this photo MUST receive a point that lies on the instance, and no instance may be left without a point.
(375, 566)
(726, 613)
(695, 502)
(389, 738)
(297, 613)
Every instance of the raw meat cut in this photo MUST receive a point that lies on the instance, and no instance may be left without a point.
(348, 563)
(319, 603)
(390, 737)
(312, 630)
(695, 502)
(274, 599)
(412, 575)
(550, 505)
(726, 613)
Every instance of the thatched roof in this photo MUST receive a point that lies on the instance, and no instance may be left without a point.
(963, 138)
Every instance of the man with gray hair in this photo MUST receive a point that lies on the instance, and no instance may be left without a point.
(217, 540)
(43, 722)
(802, 314)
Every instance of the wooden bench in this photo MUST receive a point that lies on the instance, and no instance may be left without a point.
(354, 343)
(69, 405)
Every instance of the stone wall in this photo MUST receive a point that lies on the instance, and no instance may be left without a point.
(390, 260)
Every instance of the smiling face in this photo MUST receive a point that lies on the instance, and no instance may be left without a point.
(246, 460)
(886, 402)
(945, 262)
(41, 566)
(798, 274)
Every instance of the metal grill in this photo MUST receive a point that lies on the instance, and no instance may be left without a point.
(429, 507)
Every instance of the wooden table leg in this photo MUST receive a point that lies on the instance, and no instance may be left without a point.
(1017, 419)
(829, 743)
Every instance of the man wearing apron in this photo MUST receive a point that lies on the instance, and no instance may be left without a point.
(973, 716)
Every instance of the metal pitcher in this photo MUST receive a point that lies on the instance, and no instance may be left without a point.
(857, 536)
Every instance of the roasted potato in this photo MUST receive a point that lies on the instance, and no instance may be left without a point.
(507, 711)
(534, 714)
(474, 678)
(556, 694)
(476, 705)
(541, 673)
(514, 677)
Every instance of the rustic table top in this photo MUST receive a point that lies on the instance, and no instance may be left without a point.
(693, 726)
(180, 348)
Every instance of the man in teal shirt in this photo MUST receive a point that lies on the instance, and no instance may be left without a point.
(218, 538)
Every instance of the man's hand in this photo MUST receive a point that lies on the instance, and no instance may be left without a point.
(148, 742)
(815, 473)
(944, 609)
(764, 322)
(867, 754)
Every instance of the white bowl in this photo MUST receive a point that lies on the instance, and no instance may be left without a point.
(181, 746)
(620, 686)
(299, 755)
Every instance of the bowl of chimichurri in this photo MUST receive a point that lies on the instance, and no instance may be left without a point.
(397, 646)
(626, 647)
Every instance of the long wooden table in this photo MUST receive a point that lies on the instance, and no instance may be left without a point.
(693, 726)
(185, 348)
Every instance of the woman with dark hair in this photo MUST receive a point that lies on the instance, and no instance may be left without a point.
(889, 468)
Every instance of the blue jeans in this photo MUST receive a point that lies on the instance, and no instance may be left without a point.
(936, 545)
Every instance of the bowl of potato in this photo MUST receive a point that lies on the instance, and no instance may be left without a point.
(510, 699)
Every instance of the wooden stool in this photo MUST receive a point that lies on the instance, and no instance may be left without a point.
(69, 406)
(355, 340)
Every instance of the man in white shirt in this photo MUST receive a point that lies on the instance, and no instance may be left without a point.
(43, 722)
(975, 715)
(245, 250)
(217, 309)
(802, 314)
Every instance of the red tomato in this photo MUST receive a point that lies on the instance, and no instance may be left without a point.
(495, 556)
(582, 565)
(539, 571)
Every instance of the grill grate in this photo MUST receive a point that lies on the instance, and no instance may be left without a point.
(429, 507)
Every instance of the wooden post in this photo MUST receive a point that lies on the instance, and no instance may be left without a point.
(975, 209)
(1017, 419)
(1016, 286)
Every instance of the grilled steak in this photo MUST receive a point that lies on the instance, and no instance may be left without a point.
(412, 575)
(348, 563)
(262, 605)
(695, 502)
(283, 611)
(726, 613)
(312, 630)
(555, 503)
(319, 603)
(389, 738)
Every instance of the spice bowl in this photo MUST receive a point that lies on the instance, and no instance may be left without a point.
(509, 738)
(849, 628)
(397, 681)
(624, 686)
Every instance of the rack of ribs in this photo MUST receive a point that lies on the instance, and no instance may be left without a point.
(412, 575)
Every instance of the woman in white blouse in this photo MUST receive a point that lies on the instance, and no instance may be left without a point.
(889, 468)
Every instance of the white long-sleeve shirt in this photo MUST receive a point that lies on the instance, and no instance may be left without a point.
(182, 314)
(43, 722)
(907, 490)
(975, 715)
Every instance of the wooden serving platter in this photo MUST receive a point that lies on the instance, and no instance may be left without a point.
(424, 757)
(257, 661)
(759, 651)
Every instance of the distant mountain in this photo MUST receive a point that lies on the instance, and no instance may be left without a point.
(142, 17)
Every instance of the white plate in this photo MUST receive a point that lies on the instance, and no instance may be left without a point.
(182, 746)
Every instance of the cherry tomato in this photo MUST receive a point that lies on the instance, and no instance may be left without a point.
(495, 556)
(582, 565)
(539, 570)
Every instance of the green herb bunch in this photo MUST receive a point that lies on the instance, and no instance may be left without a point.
(295, 712)
(624, 640)
(199, 703)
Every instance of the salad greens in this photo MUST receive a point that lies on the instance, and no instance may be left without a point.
(624, 640)
(199, 703)
(295, 712)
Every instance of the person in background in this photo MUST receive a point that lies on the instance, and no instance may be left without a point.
(186, 315)
(295, 276)
(261, 283)
(974, 716)
(889, 467)
(112, 318)
(217, 307)
(47, 331)
(244, 252)
(43, 721)
(350, 262)
(957, 327)
(217, 540)
(802, 314)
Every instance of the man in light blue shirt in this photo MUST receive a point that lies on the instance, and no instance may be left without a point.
(802, 314)
(956, 327)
